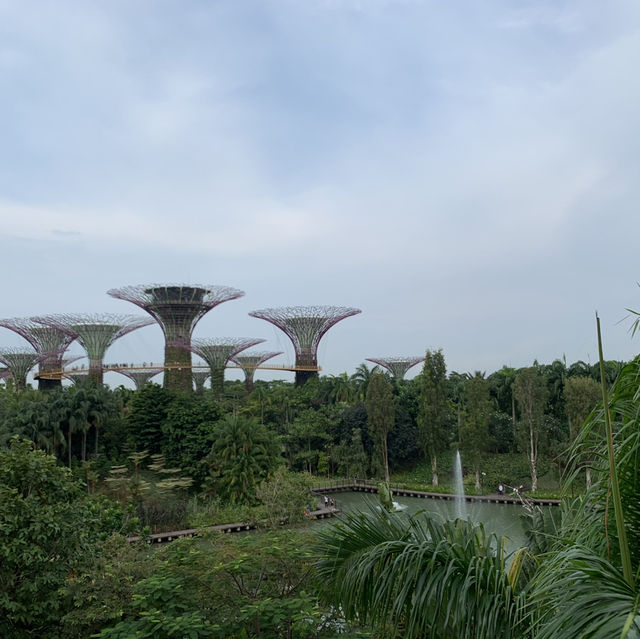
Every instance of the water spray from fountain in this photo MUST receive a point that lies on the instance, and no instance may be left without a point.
(461, 503)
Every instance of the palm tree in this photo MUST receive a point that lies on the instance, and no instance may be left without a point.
(243, 454)
(361, 379)
(342, 389)
(419, 578)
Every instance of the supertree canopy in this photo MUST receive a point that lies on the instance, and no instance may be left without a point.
(305, 326)
(217, 352)
(95, 333)
(19, 361)
(49, 342)
(248, 362)
(177, 308)
(140, 378)
(397, 366)
(199, 378)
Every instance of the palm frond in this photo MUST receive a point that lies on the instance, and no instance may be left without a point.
(420, 575)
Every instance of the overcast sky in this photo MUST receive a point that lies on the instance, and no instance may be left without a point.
(466, 173)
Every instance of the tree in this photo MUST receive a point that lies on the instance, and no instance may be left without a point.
(46, 531)
(147, 411)
(581, 395)
(285, 496)
(531, 393)
(433, 416)
(380, 418)
(475, 422)
(243, 454)
(188, 433)
(306, 438)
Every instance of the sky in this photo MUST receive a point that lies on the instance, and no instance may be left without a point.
(465, 173)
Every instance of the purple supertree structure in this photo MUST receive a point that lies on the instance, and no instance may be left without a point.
(5, 373)
(177, 308)
(305, 326)
(19, 361)
(199, 378)
(248, 362)
(49, 342)
(95, 333)
(217, 352)
(397, 366)
(140, 378)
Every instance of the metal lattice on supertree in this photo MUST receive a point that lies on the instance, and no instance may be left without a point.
(248, 362)
(95, 332)
(305, 326)
(47, 341)
(217, 352)
(177, 308)
(140, 378)
(19, 361)
(397, 366)
(199, 378)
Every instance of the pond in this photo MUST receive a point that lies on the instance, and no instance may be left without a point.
(501, 519)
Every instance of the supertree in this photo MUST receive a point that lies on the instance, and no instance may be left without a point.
(397, 366)
(177, 308)
(199, 378)
(19, 361)
(140, 378)
(95, 333)
(49, 342)
(248, 362)
(217, 352)
(305, 326)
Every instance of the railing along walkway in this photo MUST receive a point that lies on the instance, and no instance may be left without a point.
(360, 485)
(163, 537)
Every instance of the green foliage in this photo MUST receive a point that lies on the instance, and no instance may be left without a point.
(582, 395)
(219, 586)
(46, 532)
(102, 593)
(475, 421)
(244, 452)
(380, 419)
(148, 410)
(306, 438)
(285, 497)
(434, 416)
(531, 393)
(418, 578)
(188, 433)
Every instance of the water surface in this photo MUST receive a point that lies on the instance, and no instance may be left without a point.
(501, 519)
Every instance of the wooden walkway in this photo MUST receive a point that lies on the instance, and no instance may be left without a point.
(164, 537)
(493, 498)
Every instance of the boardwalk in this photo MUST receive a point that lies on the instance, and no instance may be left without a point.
(164, 537)
(494, 498)
(324, 513)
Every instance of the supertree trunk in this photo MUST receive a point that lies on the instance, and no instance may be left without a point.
(177, 375)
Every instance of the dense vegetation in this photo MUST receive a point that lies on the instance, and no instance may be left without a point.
(80, 467)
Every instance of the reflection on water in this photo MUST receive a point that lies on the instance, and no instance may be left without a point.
(501, 519)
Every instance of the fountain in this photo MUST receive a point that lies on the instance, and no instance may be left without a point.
(461, 503)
